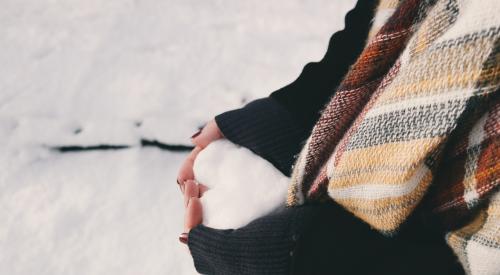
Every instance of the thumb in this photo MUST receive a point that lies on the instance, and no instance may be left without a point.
(194, 214)
(208, 134)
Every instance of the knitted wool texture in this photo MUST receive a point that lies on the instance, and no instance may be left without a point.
(418, 114)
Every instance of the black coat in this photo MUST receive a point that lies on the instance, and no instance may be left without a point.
(306, 239)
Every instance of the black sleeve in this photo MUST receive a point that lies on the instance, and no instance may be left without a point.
(307, 95)
(318, 239)
(275, 127)
(261, 247)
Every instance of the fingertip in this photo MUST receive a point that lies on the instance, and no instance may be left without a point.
(202, 189)
(202, 140)
(196, 134)
(208, 134)
(190, 190)
(181, 185)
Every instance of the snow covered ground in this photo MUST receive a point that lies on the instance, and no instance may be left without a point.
(89, 73)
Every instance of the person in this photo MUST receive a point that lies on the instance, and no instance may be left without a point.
(434, 65)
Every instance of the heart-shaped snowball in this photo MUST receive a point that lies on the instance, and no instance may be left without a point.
(242, 186)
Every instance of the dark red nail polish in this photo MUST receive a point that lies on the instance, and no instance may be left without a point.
(181, 185)
(196, 134)
(183, 238)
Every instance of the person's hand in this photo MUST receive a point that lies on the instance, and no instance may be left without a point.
(194, 211)
(201, 139)
(193, 190)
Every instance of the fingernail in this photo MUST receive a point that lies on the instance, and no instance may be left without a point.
(196, 134)
(181, 185)
(183, 238)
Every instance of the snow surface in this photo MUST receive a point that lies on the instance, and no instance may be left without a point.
(238, 193)
(92, 72)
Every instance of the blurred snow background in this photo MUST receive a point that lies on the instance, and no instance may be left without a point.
(89, 73)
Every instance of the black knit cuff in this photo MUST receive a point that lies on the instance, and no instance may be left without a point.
(262, 247)
(268, 129)
(204, 243)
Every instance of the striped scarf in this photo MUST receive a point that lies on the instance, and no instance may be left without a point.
(417, 114)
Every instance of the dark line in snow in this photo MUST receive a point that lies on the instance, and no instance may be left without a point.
(164, 146)
(104, 147)
(72, 148)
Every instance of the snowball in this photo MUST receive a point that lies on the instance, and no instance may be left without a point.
(242, 186)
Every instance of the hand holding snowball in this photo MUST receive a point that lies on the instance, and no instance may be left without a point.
(243, 186)
(193, 191)
(201, 139)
